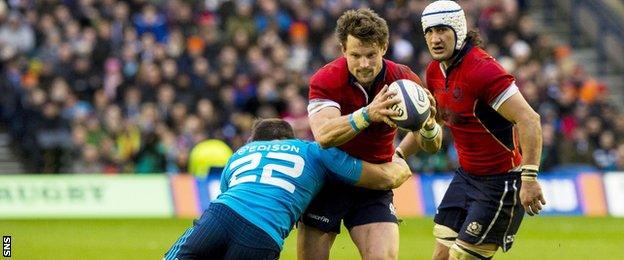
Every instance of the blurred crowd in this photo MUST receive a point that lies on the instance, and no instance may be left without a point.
(132, 86)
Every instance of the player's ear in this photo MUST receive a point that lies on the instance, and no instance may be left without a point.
(384, 49)
(343, 48)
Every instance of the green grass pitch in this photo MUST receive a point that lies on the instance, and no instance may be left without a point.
(539, 238)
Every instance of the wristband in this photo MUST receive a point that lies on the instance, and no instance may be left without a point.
(353, 124)
(398, 151)
(528, 178)
(430, 134)
(529, 172)
(530, 168)
(359, 119)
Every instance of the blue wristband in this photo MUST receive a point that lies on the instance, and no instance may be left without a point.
(365, 114)
(352, 122)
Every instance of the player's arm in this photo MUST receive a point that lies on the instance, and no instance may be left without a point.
(349, 169)
(384, 176)
(330, 129)
(517, 110)
(428, 138)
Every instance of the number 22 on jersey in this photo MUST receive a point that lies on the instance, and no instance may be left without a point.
(253, 161)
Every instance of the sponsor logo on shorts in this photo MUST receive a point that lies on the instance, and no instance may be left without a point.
(474, 228)
(392, 209)
(509, 239)
(319, 218)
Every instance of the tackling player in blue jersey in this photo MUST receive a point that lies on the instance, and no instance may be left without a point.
(266, 185)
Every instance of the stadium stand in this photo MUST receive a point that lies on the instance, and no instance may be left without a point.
(131, 86)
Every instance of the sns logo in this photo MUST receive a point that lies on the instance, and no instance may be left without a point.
(6, 246)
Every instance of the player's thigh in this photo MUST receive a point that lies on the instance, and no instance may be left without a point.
(238, 251)
(207, 237)
(313, 243)
(326, 211)
(445, 238)
(495, 215)
(376, 240)
(440, 251)
(463, 250)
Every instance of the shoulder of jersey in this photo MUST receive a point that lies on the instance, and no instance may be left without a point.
(478, 57)
(333, 74)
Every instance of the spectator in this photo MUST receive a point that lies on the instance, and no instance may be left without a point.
(605, 157)
(194, 70)
(151, 21)
(151, 156)
(17, 34)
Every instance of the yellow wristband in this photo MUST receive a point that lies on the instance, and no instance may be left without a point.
(359, 118)
(528, 178)
(530, 167)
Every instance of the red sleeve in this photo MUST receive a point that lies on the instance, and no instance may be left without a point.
(324, 92)
(320, 89)
(491, 79)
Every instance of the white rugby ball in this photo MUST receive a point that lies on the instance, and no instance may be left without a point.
(414, 106)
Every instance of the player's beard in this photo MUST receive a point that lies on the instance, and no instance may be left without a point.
(365, 76)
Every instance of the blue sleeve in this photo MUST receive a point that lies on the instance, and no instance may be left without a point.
(341, 164)
(225, 177)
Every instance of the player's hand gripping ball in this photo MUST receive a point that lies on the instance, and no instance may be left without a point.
(414, 106)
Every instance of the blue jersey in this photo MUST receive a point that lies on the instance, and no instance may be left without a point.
(270, 183)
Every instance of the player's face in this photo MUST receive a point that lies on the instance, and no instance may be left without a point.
(441, 42)
(363, 60)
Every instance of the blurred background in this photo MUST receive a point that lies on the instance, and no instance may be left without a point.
(146, 99)
(132, 86)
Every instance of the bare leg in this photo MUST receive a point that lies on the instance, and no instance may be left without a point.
(313, 244)
(440, 252)
(376, 240)
(464, 250)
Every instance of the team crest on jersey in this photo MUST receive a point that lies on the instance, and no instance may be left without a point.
(474, 228)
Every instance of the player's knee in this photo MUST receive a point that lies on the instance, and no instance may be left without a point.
(444, 235)
(379, 253)
(470, 252)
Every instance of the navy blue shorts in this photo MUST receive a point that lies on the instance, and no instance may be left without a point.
(483, 209)
(221, 233)
(356, 206)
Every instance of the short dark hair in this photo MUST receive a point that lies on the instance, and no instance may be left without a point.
(364, 24)
(271, 129)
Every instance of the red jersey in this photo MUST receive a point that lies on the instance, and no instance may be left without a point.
(468, 94)
(333, 85)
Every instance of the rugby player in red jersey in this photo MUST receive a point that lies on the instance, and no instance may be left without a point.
(348, 108)
(481, 105)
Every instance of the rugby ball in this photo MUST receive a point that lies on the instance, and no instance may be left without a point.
(414, 106)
